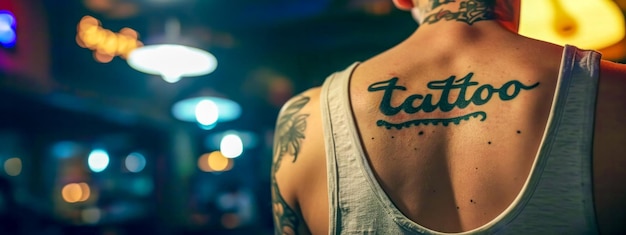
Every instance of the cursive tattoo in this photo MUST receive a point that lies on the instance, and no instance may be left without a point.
(470, 12)
(481, 96)
(289, 134)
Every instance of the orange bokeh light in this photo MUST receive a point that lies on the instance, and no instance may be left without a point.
(105, 43)
(76, 192)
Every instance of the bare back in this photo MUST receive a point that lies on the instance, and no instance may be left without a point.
(459, 176)
(494, 99)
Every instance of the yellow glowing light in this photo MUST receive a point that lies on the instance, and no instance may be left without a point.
(105, 43)
(102, 58)
(13, 166)
(215, 162)
(75, 192)
(218, 162)
(85, 192)
(589, 24)
(72, 193)
(88, 22)
(203, 162)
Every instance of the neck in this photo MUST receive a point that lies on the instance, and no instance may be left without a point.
(464, 11)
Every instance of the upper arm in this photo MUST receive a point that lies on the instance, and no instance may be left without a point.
(291, 143)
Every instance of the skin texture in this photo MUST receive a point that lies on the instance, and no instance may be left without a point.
(288, 140)
(489, 85)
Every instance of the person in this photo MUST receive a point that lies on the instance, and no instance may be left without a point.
(465, 126)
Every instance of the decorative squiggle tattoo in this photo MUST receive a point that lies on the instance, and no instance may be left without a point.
(436, 121)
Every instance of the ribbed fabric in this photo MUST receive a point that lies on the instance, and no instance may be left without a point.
(556, 198)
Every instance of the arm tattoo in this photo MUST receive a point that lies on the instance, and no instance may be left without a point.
(289, 134)
(482, 95)
(290, 131)
(286, 220)
(470, 11)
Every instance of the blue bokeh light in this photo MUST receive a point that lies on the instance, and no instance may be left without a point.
(98, 160)
(65, 149)
(186, 110)
(135, 162)
(8, 35)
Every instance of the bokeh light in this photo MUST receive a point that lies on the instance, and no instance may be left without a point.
(91, 215)
(8, 35)
(98, 160)
(203, 162)
(135, 162)
(230, 220)
(172, 61)
(207, 112)
(185, 110)
(142, 186)
(103, 42)
(65, 149)
(231, 146)
(13, 166)
(248, 138)
(215, 162)
(76, 192)
(587, 24)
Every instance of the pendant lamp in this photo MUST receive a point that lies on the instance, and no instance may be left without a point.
(171, 59)
(588, 24)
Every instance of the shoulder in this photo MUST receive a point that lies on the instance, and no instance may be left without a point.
(612, 81)
(302, 100)
(298, 169)
(612, 70)
(609, 149)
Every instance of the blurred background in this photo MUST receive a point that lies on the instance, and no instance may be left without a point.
(157, 116)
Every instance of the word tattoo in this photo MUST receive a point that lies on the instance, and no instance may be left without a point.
(481, 96)
(470, 11)
(289, 134)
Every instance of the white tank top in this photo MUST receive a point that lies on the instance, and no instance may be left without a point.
(556, 198)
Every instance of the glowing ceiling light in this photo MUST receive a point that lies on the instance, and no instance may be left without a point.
(589, 24)
(98, 160)
(8, 35)
(231, 146)
(172, 61)
(207, 112)
(201, 109)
